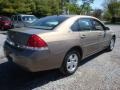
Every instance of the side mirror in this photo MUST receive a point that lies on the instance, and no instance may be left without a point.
(107, 28)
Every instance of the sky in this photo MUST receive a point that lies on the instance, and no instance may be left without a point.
(97, 4)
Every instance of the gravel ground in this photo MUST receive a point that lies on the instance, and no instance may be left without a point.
(98, 72)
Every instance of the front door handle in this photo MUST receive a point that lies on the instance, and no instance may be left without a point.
(83, 36)
(100, 35)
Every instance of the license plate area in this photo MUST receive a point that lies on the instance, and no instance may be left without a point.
(15, 46)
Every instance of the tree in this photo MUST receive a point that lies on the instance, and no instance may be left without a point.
(15, 6)
(86, 8)
(112, 7)
(73, 8)
(40, 8)
(97, 13)
(47, 7)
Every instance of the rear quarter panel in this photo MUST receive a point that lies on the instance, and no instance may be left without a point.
(59, 44)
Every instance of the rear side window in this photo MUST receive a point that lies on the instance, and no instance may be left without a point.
(28, 18)
(85, 24)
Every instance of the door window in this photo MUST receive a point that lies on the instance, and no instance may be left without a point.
(97, 25)
(85, 24)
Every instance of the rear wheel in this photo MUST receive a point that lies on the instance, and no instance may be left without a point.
(70, 63)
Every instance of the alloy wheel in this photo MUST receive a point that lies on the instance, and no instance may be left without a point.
(72, 62)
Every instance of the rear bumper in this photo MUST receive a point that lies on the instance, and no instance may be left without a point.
(31, 60)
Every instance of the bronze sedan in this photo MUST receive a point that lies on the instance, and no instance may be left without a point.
(58, 42)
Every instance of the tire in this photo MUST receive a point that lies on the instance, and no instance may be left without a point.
(111, 45)
(70, 63)
(9, 58)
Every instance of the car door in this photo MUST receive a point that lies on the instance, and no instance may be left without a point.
(89, 38)
(103, 35)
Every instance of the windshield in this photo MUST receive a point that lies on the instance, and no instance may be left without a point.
(48, 23)
(28, 18)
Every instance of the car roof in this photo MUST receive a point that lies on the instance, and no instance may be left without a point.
(71, 19)
(80, 16)
(85, 16)
(23, 15)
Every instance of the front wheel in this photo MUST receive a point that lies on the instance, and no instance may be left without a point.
(70, 63)
(111, 45)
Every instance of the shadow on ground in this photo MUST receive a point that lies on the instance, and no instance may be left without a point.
(14, 78)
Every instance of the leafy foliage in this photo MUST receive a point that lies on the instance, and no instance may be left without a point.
(112, 10)
(39, 7)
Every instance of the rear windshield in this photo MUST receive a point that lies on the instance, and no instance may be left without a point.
(48, 23)
(28, 18)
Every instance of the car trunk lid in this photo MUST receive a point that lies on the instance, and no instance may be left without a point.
(20, 36)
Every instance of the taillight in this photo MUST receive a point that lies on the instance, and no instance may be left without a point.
(36, 42)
